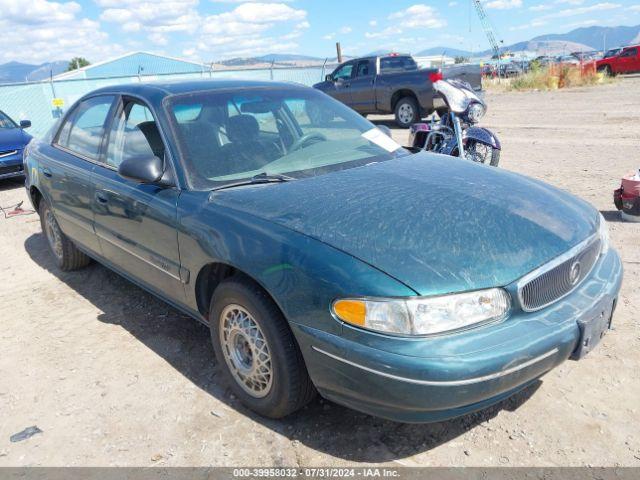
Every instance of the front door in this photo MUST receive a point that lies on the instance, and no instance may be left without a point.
(136, 223)
(342, 83)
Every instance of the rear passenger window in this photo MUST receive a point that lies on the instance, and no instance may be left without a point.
(363, 69)
(83, 131)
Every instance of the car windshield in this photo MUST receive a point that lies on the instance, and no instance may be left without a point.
(6, 122)
(233, 135)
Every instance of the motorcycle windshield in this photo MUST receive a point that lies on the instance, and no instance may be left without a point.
(457, 95)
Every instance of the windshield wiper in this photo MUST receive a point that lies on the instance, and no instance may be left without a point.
(255, 180)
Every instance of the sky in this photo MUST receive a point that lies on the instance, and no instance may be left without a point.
(37, 31)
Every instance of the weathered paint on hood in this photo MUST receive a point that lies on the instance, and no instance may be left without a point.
(435, 223)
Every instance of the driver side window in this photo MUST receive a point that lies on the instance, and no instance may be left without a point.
(134, 133)
(344, 72)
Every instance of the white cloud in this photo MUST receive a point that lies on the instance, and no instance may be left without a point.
(571, 12)
(540, 8)
(160, 16)
(248, 26)
(42, 30)
(583, 23)
(345, 30)
(416, 16)
(419, 16)
(373, 23)
(251, 1)
(504, 4)
(634, 8)
(452, 4)
(532, 24)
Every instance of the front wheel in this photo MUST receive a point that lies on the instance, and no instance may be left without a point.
(606, 70)
(257, 351)
(482, 153)
(407, 112)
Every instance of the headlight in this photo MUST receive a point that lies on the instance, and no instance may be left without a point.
(603, 233)
(475, 112)
(425, 316)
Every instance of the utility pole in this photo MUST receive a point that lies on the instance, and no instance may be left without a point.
(339, 52)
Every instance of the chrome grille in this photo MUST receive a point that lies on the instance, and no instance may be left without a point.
(558, 278)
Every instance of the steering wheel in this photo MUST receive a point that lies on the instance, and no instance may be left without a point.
(300, 142)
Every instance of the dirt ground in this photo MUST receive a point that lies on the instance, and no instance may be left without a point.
(113, 376)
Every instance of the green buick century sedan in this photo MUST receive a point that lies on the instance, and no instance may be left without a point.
(323, 256)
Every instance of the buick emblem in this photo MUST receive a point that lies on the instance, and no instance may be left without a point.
(574, 273)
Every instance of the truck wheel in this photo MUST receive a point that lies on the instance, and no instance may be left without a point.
(67, 255)
(606, 70)
(256, 350)
(407, 112)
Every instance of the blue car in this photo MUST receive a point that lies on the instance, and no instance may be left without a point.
(13, 139)
(322, 255)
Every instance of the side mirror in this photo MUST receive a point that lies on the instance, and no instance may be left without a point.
(386, 130)
(142, 169)
(25, 123)
(328, 78)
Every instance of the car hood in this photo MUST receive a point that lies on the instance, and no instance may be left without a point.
(13, 138)
(437, 224)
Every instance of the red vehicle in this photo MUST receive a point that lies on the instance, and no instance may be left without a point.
(627, 61)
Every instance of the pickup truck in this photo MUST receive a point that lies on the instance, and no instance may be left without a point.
(392, 84)
(627, 61)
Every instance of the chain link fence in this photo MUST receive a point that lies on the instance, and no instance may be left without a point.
(46, 101)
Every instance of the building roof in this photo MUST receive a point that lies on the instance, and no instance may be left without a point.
(134, 63)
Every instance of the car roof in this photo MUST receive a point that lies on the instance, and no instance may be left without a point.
(155, 90)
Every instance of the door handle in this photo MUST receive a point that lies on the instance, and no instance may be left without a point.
(101, 197)
(46, 172)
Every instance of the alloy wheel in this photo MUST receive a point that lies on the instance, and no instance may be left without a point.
(405, 113)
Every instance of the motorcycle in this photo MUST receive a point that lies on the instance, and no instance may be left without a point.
(455, 132)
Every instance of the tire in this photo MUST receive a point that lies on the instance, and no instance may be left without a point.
(606, 70)
(487, 156)
(66, 254)
(275, 387)
(407, 112)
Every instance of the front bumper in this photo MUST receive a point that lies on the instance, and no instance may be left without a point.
(11, 165)
(432, 379)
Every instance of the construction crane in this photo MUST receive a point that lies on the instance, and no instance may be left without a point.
(488, 29)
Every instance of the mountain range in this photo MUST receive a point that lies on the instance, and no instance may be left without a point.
(579, 39)
(24, 72)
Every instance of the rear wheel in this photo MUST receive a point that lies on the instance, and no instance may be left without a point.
(407, 112)
(482, 153)
(67, 255)
(257, 351)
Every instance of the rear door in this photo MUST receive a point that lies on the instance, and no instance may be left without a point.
(67, 165)
(363, 93)
(136, 223)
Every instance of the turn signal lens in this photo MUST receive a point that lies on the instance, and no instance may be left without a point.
(351, 311)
